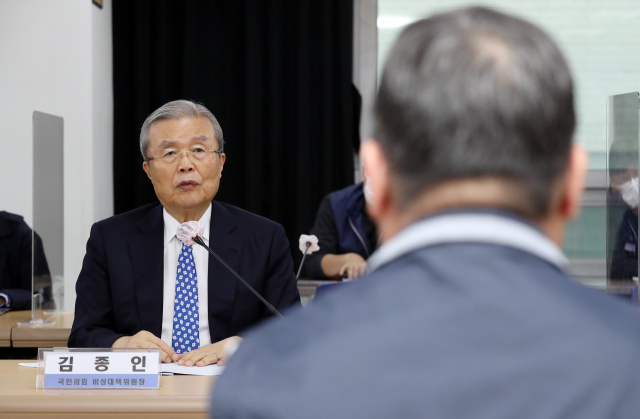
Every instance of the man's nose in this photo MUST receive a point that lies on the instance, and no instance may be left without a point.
(185, 163)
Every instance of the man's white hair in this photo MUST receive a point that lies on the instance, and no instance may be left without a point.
(179, 109)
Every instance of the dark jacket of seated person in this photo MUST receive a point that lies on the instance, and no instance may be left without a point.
(624, 263)
(120, 287)
(16, 262)
(343, 227)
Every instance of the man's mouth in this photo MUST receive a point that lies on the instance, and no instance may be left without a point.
(187, 184)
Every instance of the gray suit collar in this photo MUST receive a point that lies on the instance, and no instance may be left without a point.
(490, 228)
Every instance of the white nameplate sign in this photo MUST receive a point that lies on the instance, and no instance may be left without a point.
(127, 370)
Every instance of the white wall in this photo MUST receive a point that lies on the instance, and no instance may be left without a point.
(102, 111)
(55, 57)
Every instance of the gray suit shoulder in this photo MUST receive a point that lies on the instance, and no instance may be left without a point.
(436, 337)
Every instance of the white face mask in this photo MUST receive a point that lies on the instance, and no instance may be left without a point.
(629, 192)
(368, 193)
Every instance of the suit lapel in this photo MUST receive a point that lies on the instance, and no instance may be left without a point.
(222, 283)
(147, 256)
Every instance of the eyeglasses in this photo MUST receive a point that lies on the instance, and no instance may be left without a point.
(170, 155)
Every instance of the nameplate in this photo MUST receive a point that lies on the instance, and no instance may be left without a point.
(123, 370)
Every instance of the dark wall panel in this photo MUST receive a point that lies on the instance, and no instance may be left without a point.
(277, 75)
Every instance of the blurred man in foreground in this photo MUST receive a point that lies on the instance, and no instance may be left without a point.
(467, 311)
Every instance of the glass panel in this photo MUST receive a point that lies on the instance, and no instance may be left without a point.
(623, 136)
(48, 214)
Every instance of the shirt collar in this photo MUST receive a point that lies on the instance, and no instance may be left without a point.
(468, 227)
(171, 225)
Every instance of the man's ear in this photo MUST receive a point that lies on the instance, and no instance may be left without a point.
(574, 182)
(223, 158)
(145, 167)
(374, 160)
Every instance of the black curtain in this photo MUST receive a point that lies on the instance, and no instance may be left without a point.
(277, 75)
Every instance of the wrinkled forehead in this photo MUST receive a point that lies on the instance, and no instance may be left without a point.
(180, 133)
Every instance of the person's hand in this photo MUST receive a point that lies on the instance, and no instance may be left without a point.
(354, 266)
(144, 339)
(208, 354)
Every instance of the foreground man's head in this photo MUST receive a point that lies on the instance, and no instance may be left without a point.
(475, 108)
(467, 311)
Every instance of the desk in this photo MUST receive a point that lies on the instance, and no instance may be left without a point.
(8, 321)
(307, 287)
(57, 335)
(42, 336)
(180, 396)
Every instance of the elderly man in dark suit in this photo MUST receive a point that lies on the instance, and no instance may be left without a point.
(468, 311)
(143, 285)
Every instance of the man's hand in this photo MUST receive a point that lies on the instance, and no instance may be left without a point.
(144, 339)
(335, 266)
(208, 354)
(354, 266)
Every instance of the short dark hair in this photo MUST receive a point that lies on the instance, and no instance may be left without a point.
(475, 93)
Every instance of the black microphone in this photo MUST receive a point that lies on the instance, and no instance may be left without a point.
(304, 255)
(199, 240)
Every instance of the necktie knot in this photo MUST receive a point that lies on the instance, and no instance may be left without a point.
(187, 231)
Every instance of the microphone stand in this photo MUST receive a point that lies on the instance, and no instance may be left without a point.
(199, 240)
(302, 262)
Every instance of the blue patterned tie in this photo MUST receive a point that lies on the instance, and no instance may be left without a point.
(186, 336)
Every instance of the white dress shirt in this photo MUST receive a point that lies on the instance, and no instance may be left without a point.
(172, 249)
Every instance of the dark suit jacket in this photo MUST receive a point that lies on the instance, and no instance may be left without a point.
(15, 262)
(120, 288)
(462, 329)
(624, 261)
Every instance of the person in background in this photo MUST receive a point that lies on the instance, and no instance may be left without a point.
(144, 284)
(623, 175)
(16, 264)
(467, 311)
(346, 234)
